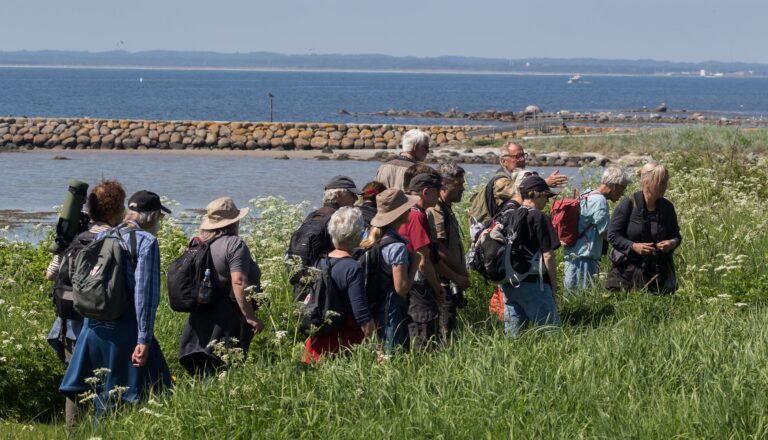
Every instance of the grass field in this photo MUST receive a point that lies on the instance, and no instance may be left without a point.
(693, 365)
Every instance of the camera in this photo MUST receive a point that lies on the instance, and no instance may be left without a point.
(457, 294)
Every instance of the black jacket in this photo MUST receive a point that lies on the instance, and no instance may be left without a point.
(629, 225)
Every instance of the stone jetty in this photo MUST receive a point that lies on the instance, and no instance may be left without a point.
(331, 141)
(180, 135)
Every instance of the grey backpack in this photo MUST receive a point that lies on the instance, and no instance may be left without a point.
(100, 280)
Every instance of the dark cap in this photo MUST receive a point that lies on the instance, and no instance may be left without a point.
(425, 180)
(146, 201)
(534, 182)
(342, 182)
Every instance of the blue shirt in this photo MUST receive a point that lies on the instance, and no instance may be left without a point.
(145, 279)
(594, 211)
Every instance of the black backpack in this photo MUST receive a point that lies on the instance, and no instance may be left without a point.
(311, 240)
(63, 298)
(497, 253)
(377, 282)
(185, 275)
(320, 303)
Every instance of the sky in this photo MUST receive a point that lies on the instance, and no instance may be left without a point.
(674, 30)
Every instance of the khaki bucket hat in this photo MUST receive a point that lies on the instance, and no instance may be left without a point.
(390, 205)
(222, 212)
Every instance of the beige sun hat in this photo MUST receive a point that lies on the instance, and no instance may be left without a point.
(222, 212)
(390, 205)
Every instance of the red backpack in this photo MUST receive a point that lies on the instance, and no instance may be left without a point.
(565, 215)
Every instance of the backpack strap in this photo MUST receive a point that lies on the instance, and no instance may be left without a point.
(490, 200)
(583, 197)
(133, 252)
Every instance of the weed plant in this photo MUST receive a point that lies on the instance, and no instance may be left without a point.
(690, 365)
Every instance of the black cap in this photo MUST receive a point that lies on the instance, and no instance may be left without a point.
(146, 201)
(534, 182)
(425, 180)
(342, 182)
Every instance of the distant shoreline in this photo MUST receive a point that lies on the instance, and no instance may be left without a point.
(331, 70)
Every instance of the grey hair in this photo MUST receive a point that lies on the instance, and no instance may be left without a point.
(329, 196)
(210, 234)
(449, 171)
(143, 218)
(615, 176)
(504, 149)
(346, 227)
(414, 137)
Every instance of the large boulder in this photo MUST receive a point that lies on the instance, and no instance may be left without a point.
(319, 143)
(532, 110)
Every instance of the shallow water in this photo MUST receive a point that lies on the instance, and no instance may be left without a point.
(35, 182)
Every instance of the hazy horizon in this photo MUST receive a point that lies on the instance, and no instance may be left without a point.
(679, 31)
(702, 61)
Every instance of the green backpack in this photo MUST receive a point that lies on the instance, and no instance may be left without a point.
(99, 280)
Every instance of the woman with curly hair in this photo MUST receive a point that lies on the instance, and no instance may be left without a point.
(105, 206)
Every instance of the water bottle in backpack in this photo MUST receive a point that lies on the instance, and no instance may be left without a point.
(205, 292)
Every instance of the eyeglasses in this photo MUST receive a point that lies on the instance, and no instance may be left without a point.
(516, 156)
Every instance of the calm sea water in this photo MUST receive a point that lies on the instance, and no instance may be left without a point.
(317, 97)
(35, 182)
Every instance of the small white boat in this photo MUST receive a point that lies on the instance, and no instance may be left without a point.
(574, 78)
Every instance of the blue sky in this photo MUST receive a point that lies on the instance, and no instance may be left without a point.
(678, 30)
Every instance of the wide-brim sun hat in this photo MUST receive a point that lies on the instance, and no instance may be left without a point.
(222, 212)
(390, 205)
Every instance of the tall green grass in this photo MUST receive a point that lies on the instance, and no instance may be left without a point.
(693, 365)
(656, 141)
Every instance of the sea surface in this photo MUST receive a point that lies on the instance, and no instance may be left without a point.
(34, 182)
(318, 96)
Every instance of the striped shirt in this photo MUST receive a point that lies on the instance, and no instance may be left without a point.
(55, 264)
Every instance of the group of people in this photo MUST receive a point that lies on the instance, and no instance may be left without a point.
(121, 359)
(398, 236)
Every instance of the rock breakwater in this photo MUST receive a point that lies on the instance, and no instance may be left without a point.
(108, 134)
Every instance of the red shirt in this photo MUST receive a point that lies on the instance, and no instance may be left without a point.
(416, 230)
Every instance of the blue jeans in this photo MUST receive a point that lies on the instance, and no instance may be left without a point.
(393, 318)
(529, 303)
(580, 272)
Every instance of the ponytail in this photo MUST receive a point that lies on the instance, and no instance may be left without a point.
(374, 237)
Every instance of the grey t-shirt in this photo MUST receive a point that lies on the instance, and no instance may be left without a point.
(231, 254)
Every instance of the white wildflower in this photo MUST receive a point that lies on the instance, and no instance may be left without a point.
(741, 304)
(3, 359)
(724, 296)
(149, 412)
(281, 334)
(101, 372)
(86, 397)
(118, 390)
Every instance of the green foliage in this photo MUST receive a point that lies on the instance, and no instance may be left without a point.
(625, 365)
(654, 141)
(29, 370)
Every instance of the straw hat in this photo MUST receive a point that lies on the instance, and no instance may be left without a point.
(222, 212)
(390, 205)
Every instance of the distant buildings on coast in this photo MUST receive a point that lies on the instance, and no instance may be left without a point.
(707, 74)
